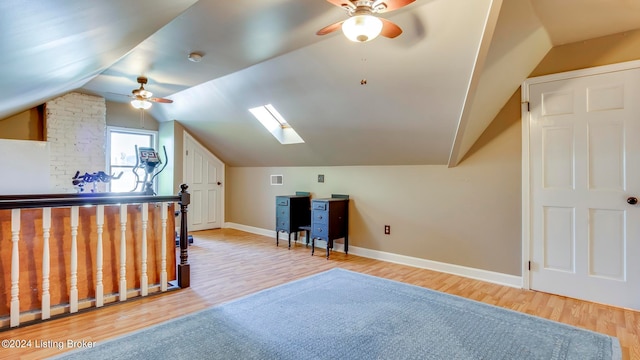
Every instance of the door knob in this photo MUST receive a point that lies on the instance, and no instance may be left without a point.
(632, 200)
(219, 183)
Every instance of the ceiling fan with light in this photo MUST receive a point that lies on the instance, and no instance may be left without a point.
(142, 98)
(362, 25)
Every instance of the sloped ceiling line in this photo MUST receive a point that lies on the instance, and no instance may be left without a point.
(483, 50)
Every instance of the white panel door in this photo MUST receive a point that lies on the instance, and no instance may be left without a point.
(584, 165)
(204, 174)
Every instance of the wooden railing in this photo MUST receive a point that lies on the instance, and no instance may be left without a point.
(63, 252)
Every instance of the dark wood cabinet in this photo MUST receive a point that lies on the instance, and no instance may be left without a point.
(292, 212)
(330, 221)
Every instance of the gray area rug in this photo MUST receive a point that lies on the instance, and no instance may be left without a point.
(339, 314)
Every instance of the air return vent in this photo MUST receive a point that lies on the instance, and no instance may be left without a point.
(276, 179)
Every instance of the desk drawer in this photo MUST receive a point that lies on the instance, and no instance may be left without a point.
(320, 231)
(283, 211)
(320, 217)
(319, 206)
(282, 201)
(282, 223)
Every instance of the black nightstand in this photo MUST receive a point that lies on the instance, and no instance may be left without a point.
(292, 212)
(330, 221)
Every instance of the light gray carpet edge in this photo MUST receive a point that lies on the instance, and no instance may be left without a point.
(348, 315)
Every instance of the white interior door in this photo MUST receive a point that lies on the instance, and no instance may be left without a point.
(584, 165)
(204, 173)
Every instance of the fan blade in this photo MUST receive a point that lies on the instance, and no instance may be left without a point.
(118, 94)
(342, 3)
(390, 29)
(160, 100)
(329, 29)
(391, 5)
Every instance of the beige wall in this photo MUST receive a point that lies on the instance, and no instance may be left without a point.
(468, 215)
(595, 52)
(171, 136)
(27, 125)
(124, 115)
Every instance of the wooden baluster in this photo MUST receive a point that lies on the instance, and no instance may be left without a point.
(73, 293)
(144, 279)
(99, 285)
(15, 269)
(163, 246)
(184, 272)
(46, 263)
(123, 252)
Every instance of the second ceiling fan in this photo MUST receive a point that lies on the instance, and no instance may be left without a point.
(362, 25)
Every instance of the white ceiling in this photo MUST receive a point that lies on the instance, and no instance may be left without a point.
(425, 101)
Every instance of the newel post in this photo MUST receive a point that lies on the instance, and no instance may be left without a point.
(184, 277)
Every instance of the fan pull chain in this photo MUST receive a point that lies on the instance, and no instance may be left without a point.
(364, 72)
(363, 60)
(142, 118)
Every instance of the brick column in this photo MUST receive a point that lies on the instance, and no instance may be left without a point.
(76, 131)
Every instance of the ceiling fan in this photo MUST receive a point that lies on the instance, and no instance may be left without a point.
(142, 98)
(362, 25)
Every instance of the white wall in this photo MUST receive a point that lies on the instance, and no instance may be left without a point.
(25, 167)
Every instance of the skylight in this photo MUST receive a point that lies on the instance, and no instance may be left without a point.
(271, 119)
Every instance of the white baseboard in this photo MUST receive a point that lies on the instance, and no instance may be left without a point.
(250, 229)
(473, 273)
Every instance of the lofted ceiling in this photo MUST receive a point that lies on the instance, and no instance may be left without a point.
(430, 93)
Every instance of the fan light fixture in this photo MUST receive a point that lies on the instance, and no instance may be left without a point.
(144, 93)
(141, 104)
(362, 28)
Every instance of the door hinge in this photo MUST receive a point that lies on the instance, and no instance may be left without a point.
(529, 265)
(187, 153)
(528, 106)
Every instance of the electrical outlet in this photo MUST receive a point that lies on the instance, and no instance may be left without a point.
(387, 229)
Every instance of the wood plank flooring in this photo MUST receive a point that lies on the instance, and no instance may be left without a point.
(227, 264)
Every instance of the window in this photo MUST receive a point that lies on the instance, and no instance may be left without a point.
(121, 157)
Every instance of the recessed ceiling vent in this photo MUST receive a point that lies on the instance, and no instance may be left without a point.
(276, 179)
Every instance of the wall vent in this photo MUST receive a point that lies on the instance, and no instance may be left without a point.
(276, 179)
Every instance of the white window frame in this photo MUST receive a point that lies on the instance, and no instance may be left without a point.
(117, 129)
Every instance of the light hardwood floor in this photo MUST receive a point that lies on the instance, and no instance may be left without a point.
(227, 264)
